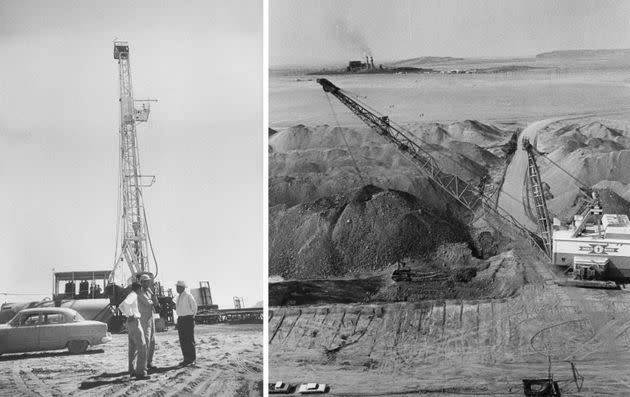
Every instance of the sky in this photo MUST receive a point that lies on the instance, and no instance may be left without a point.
(327, 31)
(59, 118)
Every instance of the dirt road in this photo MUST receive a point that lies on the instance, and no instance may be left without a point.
(512, 195)
(229, 362)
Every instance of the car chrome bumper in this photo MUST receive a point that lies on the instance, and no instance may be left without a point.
(106, 338)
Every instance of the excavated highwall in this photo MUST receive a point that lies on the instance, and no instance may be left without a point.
(455, 346)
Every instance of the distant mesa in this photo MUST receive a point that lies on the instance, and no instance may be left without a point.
(585, 53)
(506, 69)
(440, 65)
(425, 60)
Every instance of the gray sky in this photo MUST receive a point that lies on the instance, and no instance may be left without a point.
(304, 31)
(59, 120)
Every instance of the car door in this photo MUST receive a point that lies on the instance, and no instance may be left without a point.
(52, 331)
(23, 336)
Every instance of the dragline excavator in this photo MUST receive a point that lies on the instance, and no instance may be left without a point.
(469, 194)
(589, 265)
(588, 272)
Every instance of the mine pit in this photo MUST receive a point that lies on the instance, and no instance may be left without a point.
(381, 281)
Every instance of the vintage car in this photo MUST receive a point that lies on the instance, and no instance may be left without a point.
(51, 328)
(312, 388)
(279, 388)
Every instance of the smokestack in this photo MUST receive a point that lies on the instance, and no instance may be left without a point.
(367, 62)
(372, 61)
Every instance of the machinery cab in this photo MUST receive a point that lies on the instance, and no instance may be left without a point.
(596, 249)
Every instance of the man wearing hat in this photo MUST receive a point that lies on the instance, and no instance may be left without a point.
(186, 309)
(137, 344)
(146, 302)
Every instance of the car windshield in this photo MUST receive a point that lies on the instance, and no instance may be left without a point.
(15, 321)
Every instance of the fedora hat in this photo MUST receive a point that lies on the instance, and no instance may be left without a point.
(145, 277)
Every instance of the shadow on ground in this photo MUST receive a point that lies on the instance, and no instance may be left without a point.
(46, 354)
(112, 378)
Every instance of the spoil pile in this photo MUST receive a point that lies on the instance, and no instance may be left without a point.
(310, 163)
(346, 207)
(351, 234)
(593, 152)
(448, 272)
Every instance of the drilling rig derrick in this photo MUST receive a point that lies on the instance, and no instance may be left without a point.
(134, 244)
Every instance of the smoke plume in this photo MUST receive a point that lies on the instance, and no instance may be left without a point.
(349, 38)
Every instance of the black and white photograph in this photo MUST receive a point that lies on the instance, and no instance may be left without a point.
(448, 197)
(341, 197)
(131, 188)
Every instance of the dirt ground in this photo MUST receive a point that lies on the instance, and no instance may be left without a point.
(469, 347)
(229, 362)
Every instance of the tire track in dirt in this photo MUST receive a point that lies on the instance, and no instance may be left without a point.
(196, 382)
(224, 352)
(34, 384)
(21, 385)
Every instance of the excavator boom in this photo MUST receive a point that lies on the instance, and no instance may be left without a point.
(545, 226)
(463, 192)
(467, 194)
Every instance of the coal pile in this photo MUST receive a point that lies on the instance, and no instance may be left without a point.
(364, 231)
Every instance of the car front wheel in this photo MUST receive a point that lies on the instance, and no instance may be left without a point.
(77, 346)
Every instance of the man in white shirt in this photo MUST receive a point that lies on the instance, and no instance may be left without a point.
(137, 342)
(186, 309)
(147, 302)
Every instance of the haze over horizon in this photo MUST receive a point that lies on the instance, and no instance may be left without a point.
(504, 58)
(330, 32)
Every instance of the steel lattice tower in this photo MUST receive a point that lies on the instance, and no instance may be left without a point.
(132, 228)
